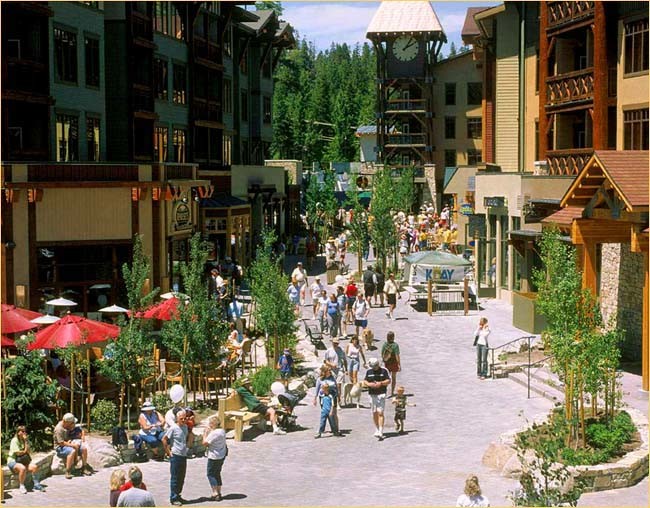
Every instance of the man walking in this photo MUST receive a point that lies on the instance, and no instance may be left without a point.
(136, 495)
(391, 358)
(377, 379)
(335, 359)
(300, 275)
(175, 443)
(369, 283)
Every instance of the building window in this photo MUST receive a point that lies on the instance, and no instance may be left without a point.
(92, 61)
(244, 105)
(635, 128)
(179, 140)
(160, 144)
(636, 46)
(243, 61)
(474, 128)
(92, 138)
(245, 155)
(227, 150)
(180, 84)
(227, 42)
(65, 55)
(161, 17)
(474, 156)
(450, 127)
(227, 96)
(160, 78)
(267, 109)
(177, 22)
(67, 138)
(474, 93)
(450, 158)
(450, 94)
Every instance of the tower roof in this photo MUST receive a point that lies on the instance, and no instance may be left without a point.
(400, 16)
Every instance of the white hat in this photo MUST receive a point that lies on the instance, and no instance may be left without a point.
(69, 417)
(373, 362)
(147, 406)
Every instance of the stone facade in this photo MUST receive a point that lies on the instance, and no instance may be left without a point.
(621, 290)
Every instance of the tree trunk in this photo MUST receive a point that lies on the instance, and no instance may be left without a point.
(582, 408)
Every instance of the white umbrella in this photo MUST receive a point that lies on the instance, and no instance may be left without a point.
(46, 319)
(61, 302)
(114, 308)
(173, 294)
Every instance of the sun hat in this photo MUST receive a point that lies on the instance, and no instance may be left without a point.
(69, 417)
(147, 406)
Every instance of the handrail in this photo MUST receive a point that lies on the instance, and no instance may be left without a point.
(530, 365)
(491, 350)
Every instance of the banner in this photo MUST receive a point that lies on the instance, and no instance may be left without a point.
(421, 274)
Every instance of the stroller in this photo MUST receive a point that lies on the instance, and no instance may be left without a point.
(289, 400)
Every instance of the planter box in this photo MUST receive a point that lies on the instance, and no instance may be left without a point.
(524, 313)
(331, 275)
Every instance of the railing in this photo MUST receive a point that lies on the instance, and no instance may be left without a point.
(514, 346)
(141, 27)
(568, 162)
(568, 11)
(570, 87)
(207, 110)
(539, 364)
(406, 104)
(206, 49)
(406, 139)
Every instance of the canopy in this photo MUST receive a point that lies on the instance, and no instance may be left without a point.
(165, 310)
(7, 342)
(435, 265)
(73, 330)
(14, 320)
(61, 302)
(46, 319)
(115, 309)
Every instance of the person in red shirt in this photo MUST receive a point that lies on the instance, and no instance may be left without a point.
(351, 294)
(129, 485)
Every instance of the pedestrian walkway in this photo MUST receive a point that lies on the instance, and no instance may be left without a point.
(456, 417)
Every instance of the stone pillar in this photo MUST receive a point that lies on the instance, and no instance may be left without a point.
(430, 191)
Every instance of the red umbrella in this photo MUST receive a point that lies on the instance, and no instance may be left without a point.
(73, 330)
(165, 310)
(26, 313)
(14, 321)
(7, 342)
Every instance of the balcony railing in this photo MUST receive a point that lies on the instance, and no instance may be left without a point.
(568, 162)
(142, 98)
(207, 110)
(25, 76)
(142, 28)
(406, 105)
(208, 50)
(567, 11)
(406, 139)
(570, 87)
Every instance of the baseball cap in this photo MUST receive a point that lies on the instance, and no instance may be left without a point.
(373, 362)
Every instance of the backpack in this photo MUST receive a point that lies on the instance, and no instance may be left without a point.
(119, 437)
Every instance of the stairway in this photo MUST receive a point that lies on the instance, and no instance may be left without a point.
(542, 382)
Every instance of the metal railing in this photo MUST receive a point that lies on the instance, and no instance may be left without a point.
(509, 348)
(540, 363)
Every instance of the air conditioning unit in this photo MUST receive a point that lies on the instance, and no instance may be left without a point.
(540, 168)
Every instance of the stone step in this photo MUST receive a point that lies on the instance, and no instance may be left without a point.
(540, 388)
(544, 375)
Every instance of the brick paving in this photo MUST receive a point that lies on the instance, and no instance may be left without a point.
(456, 417)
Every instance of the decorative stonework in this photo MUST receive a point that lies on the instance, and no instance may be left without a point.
(621, 288)
(625, 472)
(429, 193)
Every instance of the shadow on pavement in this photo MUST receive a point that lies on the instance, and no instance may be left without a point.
(235, 496)
(202, 499)
(390, 435)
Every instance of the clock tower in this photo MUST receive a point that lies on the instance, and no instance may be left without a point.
(407, 37)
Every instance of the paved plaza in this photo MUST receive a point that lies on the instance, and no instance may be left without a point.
(456, 417)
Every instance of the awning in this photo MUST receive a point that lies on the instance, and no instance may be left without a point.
(222, 201)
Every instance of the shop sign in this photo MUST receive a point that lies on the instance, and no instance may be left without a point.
(181, 219)
(466, 209)
(494, 202)
(476, 226)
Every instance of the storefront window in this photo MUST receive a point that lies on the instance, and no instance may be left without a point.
(518, 258)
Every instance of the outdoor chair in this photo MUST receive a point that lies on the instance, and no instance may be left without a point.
(172, 372)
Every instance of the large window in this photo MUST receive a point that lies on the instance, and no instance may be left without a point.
(243, 62)
(160, 78)
(177, 22)
(474, 156)
(474, 128)
(227, 96)
(180, 84)
(227, 150)
(160, 144)
(92, 138)
(161, 17)
(67, 138)
(450, 158)
(92, 61)
(474, 93)
(227, 42)
(450, 127)
(450, 94)
(636, 46)
(635, 128)
(267, 110)
(65, 55)
(180, 136)
(244, 105)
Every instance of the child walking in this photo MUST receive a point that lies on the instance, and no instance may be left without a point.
(285, 366)
(400, 403)
(326, 407)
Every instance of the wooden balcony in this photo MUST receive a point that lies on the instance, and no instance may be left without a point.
(406, 140)
(207, 50)
(406, 105)
(207, 110)
(25, 76)
(568, 11)
(570, 87)
(568, 162)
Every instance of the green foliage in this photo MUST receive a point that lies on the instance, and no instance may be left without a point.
(104, 415)
(382, 228)
(359, 236)
(274, 6)
(611, 436)
(262, 380)
(29, 398)
(162, 402)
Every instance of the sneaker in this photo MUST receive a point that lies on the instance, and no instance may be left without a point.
(176, 502)
(22, 489)
(388, 314)
(38, 486)
(279, 432)
(68, 475)
(317, 436)
(377, 433)
(381, 437)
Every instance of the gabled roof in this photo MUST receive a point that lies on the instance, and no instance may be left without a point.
(470, 28)
(263, 17)
(393, 16)
(625, 171)
(564, 217)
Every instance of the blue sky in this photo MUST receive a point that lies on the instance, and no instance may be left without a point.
(336, 21)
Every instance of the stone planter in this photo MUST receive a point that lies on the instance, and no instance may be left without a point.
(524, 313)
(625, 472)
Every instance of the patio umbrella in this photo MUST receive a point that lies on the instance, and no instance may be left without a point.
(61, 302)
(114, 308)
(26, 313)
(165, 311)
(174, 294)
(45, 319)
(7, 342)
(13, 321)
(74, 330)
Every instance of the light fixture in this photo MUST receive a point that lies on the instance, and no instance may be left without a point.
(21, 295)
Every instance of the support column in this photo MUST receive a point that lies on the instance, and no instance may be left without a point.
(645, 336)
(600, 77)
(589, 267)
(543, 74)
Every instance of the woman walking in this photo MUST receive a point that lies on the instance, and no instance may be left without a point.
(333, 315)
(215, 439)
(353, 352)
(481, 342)
(392, 294)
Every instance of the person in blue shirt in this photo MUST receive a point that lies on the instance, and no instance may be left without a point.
(285, 366)
(326, 411)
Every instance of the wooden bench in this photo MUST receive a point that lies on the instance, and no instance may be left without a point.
(233, 414)
(314, 334)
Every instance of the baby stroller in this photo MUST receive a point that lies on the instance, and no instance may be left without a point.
(289, 400)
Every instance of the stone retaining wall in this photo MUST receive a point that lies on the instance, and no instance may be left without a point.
(625, 472)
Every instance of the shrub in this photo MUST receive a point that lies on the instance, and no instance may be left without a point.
(611, 437)
(104, 415)
(262, 381)
(162, 402)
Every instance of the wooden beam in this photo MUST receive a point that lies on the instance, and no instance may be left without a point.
(586, 231)
(645, 339)
(589, 267)
(639, 240)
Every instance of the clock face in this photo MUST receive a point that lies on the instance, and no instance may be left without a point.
(406, 49)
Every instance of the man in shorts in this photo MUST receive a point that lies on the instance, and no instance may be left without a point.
(377, 380)
(254, 405)
(335, 359)
(70, 449)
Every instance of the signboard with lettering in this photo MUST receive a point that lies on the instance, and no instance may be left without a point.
(421, 274)
(466, 209)
(180, 220)
(495, 201)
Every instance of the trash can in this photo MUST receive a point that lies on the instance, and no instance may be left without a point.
(331, 275)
